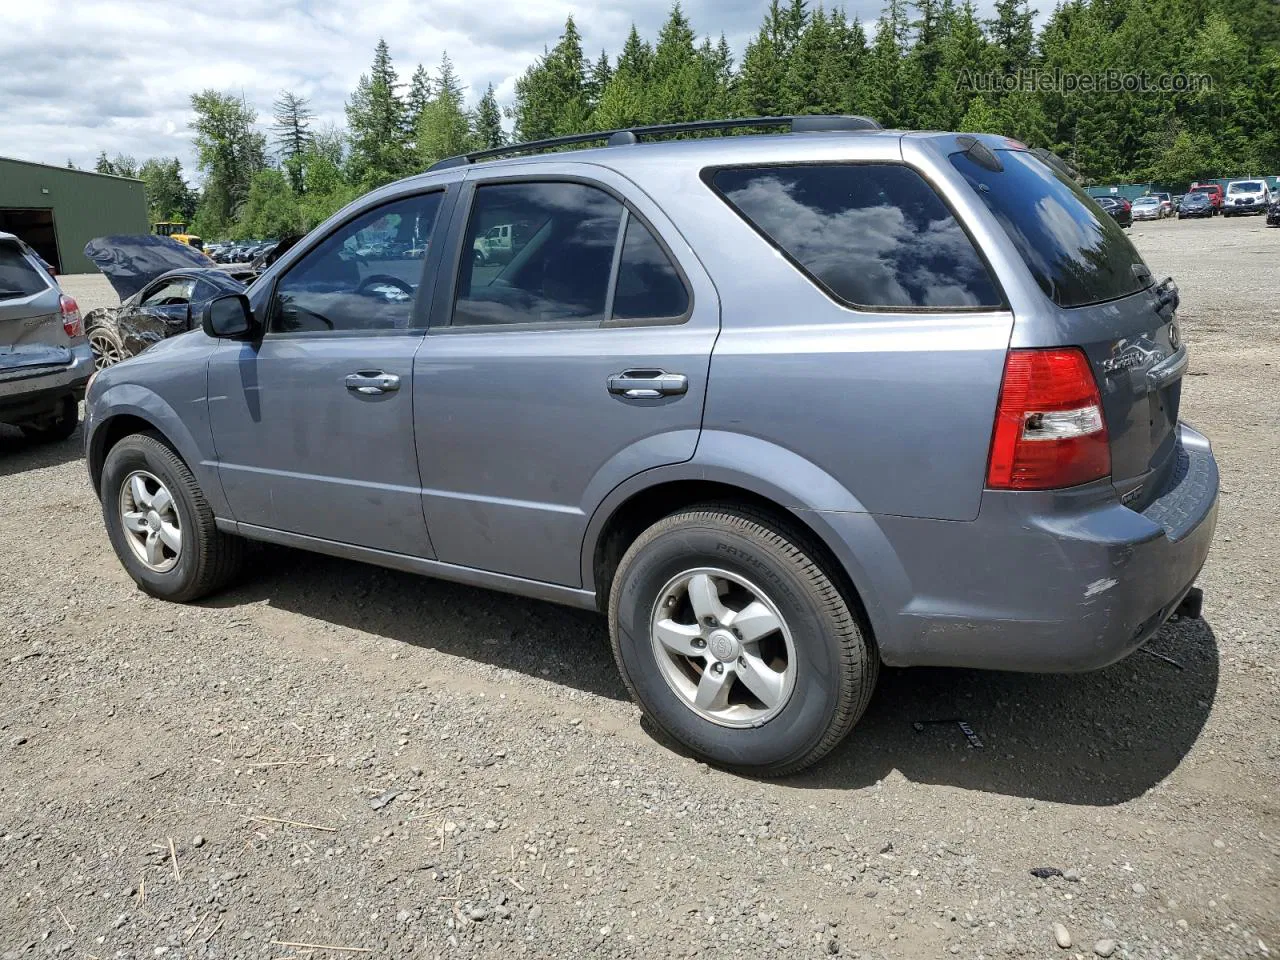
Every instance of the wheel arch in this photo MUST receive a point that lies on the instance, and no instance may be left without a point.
(133, 409)
(641, 501)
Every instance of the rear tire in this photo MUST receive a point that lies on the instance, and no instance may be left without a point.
(767, 706)
(60, 427)
(205, 559)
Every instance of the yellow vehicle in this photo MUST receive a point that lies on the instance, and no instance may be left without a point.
(177, 231)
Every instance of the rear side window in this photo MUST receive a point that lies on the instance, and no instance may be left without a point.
(871, 235)
(1077, 254)
(18, 278)
(649, 287)
(537, 253)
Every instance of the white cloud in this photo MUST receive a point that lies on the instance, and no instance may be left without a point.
(117, 75)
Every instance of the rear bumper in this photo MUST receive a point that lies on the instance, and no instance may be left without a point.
(1056, 582)
(31, 391)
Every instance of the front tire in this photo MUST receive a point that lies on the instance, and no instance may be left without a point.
(736, 642)
(160, 524)
(107, 344)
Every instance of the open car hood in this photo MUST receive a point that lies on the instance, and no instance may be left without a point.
(131, 262)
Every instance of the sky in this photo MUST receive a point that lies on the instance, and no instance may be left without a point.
(117, 75)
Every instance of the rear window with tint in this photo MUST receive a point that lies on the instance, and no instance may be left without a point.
(18, 278)
(1077, 254)
(871, 235)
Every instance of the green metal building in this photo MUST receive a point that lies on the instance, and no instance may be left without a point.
(58, 210)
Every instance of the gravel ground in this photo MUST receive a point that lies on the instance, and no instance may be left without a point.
(339, 755)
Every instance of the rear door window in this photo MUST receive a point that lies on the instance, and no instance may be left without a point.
(1077, 254)
(537, 252)
(872, 235)
(18, 278)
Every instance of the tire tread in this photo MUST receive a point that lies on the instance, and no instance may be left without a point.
(220, 556)
(793, 547)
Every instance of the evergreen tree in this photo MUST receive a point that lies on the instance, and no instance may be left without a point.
(378, 124)
(979, 118)
(1012, 34)
(884, 67)
(419, 94)
(805, 85)
(682, 81)
(551, 97)
(486, 130)
(636, 58)
(444, 127)
(598, 78)
(293, 134)
(102, 164)
(764, 72)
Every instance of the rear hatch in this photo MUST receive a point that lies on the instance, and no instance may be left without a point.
(1102, 298)
(31, 331)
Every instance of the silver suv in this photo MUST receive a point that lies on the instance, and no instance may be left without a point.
(45, 360)
(786, 407)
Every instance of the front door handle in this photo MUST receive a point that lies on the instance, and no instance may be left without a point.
(648, 384)
(371, 382)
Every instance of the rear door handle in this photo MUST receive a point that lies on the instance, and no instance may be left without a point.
(371, 382)
(648, 384)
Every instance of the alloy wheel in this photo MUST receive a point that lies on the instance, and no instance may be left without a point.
(723, 647)
(150, 519)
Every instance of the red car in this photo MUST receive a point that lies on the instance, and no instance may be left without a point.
(1214, 191)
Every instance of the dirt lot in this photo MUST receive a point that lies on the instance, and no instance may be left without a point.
(339, 755)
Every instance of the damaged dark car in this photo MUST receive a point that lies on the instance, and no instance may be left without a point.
(162, 285)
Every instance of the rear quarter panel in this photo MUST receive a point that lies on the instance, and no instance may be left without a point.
(896, 407)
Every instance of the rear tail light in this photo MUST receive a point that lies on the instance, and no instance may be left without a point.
(71, 321)
(1049, 430)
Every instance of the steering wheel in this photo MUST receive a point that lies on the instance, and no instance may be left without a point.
(383, 279)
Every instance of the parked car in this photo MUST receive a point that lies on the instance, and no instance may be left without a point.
(1148, 208)
(785, 407)
(1166, 204)
(1273, 212)
(1177, 201)
(1196, 205)
(1214, 192)
(1246, 197)
(45, 361)
(161, 284)
(1119, 208)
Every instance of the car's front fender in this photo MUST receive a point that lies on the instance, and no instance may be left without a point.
(140, 403)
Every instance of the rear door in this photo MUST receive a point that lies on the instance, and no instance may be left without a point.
(551, 373)
(31, 332)
(313, 425)
(1101, 297)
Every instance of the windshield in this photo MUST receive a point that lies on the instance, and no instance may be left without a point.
(1246, 186)
(1145, 202)
(1077, 253)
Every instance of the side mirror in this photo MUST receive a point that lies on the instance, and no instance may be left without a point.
(229, 317)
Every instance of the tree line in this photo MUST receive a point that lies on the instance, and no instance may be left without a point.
(924, 64)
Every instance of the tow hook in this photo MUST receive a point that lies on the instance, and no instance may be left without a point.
(1191, 604)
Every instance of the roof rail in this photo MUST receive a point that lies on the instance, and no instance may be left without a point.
(813, 123)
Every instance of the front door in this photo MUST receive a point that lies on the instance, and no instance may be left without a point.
(313, 425)
(554, 372)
